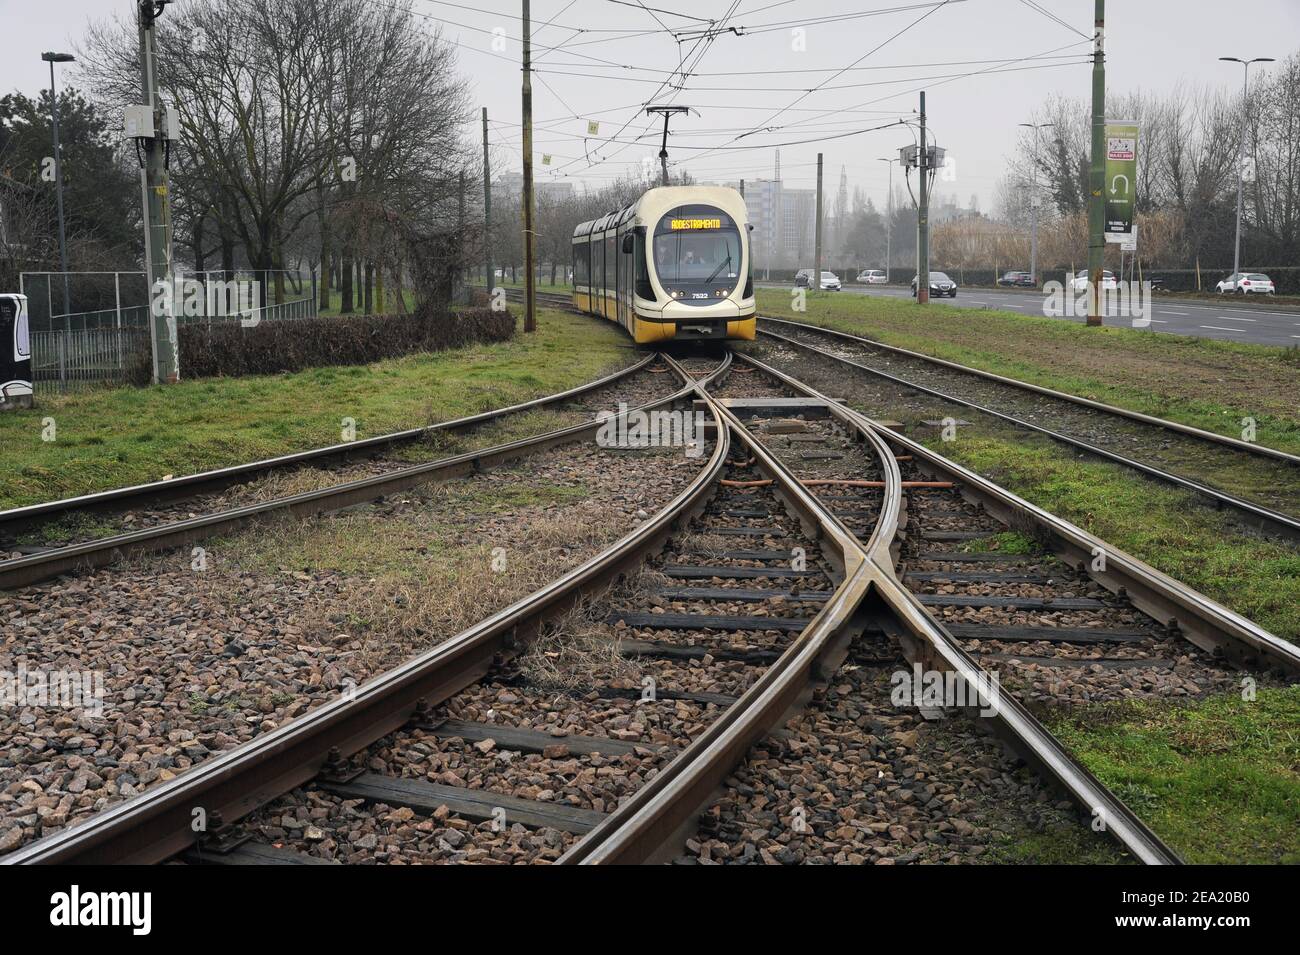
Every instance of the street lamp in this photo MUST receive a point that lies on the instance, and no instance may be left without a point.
(889, 222)
(1241, 152)
(1033, 202)
(53, 58)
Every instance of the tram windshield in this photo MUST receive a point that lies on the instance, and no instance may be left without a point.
(697, 245)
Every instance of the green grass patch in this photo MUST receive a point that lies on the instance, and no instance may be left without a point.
(1203, 382)
(1218, 779)
(115, 437)
(1165, 527)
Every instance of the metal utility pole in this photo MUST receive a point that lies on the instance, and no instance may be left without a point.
(1033, 202)
(530, 279)
(1241, 147)
(817, 244)
(923, 218)
(489, 277)
(1097, 172)
(665, 111)
(53, 58)
(157, 205)
(889, 222)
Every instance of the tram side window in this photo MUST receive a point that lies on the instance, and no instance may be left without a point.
(581, 263)
(22, 338)
(643, 287)
(611, 250)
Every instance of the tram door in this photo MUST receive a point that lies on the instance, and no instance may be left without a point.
(15, 352)
(623, 288)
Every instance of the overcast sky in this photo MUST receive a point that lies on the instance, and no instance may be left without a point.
(1151, 44)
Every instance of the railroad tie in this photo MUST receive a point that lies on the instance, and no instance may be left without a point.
(1049, 634)
(1013, 603)
(701, 621)
(524, 740)
(479, 805)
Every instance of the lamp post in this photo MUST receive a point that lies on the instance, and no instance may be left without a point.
(1033, 202)
(53, 58)
(889, 221)
(1241, 153)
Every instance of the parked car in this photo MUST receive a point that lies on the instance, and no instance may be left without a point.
(872, 277)
(1246, 283)
(1080, 282)
(940, 285)
(1018, 280)
(830, 281)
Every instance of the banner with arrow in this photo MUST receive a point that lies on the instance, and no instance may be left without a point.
(1121, 179)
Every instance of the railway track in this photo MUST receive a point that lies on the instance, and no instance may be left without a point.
(166, 499)
(1163, 450)
(186, 510)
(810, 537)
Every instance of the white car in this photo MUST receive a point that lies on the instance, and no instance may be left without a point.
(1247, 283)
(1080, 282)
(831, 281)
(872, 277)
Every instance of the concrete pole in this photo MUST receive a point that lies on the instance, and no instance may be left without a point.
(817, 245)
(530, 276)
(1097, 172)
(489, 277)
(923, 218)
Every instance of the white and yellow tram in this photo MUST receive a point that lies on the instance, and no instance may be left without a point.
(674, 265)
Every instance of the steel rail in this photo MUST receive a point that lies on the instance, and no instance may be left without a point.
(1265, 517)
(928, 641)
(157, 824)
(653, 821)
(21, 571)
(190, 485)
(1262, 450)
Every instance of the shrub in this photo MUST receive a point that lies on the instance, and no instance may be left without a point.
(231, 350)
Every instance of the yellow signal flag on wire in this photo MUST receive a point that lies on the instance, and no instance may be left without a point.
(593, 128)
(546, 159)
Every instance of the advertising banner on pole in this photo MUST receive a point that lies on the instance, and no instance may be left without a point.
(1121, 179)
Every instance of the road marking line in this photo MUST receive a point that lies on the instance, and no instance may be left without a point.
(1159, 321)
(1219, 328)
(1169, 311)
(1229, 318)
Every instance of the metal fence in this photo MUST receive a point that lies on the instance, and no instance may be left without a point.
(65, 361)
(98, 351)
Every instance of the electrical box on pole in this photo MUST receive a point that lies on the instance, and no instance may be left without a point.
(154, 127)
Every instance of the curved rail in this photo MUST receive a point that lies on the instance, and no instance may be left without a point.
(98, 553)
(652, 820)
(157, 824)
(190, 485)
(1235, 443)
(1265, 517)
(930, 642)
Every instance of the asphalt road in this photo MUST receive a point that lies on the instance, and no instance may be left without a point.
(1257, 324)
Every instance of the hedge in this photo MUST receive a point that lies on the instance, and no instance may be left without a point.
(230, 350)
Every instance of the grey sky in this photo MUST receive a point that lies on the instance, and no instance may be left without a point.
(1151, 44)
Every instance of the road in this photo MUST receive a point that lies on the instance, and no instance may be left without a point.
(1255, 324)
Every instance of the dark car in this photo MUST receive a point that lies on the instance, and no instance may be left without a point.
(1018, 280)
(940, 285)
